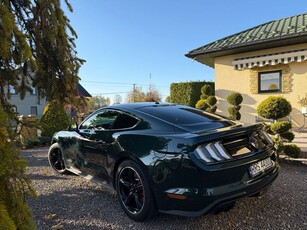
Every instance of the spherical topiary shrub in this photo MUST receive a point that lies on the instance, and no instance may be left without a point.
(211, 100)
(202, 104)
(206, 90)
(292, 150)
(207, 101)
(281, 126)
(233, 113)
(54, 119)
(267, 128)
(235, 99)
(211, 109)
(203, 97)
(237, 116)
(274, 107)
(287, 136)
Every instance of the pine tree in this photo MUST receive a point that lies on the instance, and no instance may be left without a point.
(36, 37)
(37, 49)
(15, 187)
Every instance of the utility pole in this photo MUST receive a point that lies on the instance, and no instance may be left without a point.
(133, 92)
(149, 82)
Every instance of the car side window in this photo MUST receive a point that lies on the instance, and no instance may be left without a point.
(100, 121)
(87, 123)
(124, 121)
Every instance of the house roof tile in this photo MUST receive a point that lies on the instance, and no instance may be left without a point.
(83, 92)
(285, 31)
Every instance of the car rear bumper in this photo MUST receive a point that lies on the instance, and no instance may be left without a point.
(190, 188)
(212, 203)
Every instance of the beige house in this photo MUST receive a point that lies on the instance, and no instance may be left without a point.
(266, 60)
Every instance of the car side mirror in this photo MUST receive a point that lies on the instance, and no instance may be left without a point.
(73, 127)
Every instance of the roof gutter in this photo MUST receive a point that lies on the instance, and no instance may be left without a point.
(207, 57)
(285, 40)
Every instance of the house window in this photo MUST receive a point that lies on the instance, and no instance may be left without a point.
(14, 108)
(269, 81)
(33, 92)
(12, 89)
(33, 110)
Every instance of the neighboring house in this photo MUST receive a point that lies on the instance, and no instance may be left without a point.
(266, 60)
(30, 104)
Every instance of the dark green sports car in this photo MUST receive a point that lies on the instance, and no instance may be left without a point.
(168, 158)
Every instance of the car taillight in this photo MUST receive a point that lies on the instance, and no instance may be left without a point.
(260, 140)
(254, 142)
(212, 152)
(267, 137)
(233, 147)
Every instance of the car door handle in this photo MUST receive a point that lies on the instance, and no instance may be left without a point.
(87, 132)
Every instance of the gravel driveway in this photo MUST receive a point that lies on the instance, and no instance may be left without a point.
(76, 203)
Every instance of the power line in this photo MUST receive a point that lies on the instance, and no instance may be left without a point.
(108, 93)
(114, 83)
(101, 82)
(118, 83)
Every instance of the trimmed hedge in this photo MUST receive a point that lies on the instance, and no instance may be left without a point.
(188, 93)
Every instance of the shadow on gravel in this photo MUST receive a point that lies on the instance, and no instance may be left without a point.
(74, 206)
(79, 204)
(89, 207)
(46, 177)
(36, 157)
(36, 150)
(38, 161)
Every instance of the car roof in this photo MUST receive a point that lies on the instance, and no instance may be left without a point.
(156, 112)
(138, 105)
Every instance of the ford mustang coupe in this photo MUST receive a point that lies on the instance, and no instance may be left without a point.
(168, 158)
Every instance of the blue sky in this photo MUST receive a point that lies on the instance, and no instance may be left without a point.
(144, 42)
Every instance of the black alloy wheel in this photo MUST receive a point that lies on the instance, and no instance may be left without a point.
(55, 159)
(133, 192)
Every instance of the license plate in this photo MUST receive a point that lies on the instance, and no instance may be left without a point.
(260, 166)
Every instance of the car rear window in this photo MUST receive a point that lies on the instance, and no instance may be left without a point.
(189, 118)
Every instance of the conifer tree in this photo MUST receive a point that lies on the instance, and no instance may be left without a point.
(37, 49)
(54, 119)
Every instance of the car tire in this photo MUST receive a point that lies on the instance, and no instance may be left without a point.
(133, 192)
(55, 158)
